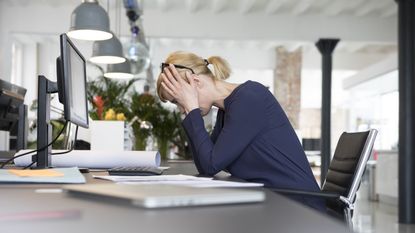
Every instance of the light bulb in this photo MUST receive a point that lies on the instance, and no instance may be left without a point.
(138, 55)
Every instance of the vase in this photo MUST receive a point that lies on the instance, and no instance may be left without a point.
(107, 135)
(163, 148)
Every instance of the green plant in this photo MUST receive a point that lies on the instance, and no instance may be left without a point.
(105, 93)
(166, 125)
(145, 107)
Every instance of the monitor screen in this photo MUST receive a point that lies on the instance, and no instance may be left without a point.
(72, 83)
(11, 98)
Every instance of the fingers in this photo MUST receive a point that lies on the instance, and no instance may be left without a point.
(167, 82)
(167, 89)
(175, 73)
(173, 79)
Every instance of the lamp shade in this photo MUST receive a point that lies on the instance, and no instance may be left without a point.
(119, 71)
(89, 21)
(107, 51)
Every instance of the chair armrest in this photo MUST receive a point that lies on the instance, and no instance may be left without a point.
(306, 193)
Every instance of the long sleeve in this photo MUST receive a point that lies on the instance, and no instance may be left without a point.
(195, 158)
(218, 126)
(243, 121)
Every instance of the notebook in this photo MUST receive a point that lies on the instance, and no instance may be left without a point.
(161, 196)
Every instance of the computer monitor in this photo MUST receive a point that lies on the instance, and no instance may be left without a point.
(71, 77)
(71, 87)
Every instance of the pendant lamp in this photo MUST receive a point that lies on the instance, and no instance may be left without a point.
(107, 51)
(119, 71)
(89, 21)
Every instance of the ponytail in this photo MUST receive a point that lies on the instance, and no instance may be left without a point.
(221, 70)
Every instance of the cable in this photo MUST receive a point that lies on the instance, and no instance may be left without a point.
(37, 150)
(59, 153)
(30, 165)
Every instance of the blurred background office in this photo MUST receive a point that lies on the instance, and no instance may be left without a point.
(269, 41)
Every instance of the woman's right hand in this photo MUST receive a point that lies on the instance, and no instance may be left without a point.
(184, 94)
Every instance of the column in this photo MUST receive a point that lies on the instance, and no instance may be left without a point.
(287, 83)
(406, 44)
(326, 47)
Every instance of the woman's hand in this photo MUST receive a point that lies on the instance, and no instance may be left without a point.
(185, 94)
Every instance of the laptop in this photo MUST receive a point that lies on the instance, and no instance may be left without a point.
(162, 196)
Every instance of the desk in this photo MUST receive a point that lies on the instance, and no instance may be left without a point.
(276, 214)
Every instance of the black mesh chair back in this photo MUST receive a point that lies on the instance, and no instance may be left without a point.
(347, 166)
(344, 175)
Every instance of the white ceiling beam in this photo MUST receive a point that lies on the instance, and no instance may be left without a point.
(193, 6)
(336, 8)
(219, 6)
(369, 7)
(302, 7)
(375, 5)
(246, 6)
(274, 6)
(339, 6)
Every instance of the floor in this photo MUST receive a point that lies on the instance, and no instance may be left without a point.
(377, 217)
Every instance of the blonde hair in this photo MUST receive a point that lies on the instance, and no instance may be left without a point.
(221, 70)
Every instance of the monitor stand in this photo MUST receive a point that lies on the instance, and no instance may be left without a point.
(44, 128)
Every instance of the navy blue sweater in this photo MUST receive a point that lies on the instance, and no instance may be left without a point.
(252, 139)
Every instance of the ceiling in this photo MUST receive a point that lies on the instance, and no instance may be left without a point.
(365, 27)
(379, 8)
(360, 8)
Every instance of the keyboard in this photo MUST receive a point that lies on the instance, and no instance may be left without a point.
(135, 171)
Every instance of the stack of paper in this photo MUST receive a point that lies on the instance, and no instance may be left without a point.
(201, 182)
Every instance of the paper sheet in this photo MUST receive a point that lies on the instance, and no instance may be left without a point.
(34, 173)
(192, 181)
(97, 159)
(70, 176)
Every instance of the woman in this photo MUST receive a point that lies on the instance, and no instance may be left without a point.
(252, 139)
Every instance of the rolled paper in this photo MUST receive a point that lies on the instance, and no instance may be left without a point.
(96, 159)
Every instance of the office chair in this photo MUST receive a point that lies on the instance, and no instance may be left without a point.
(344, 174)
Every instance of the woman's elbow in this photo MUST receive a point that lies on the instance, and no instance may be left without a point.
(211, 171)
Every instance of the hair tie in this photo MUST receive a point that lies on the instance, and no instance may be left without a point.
(206, 61)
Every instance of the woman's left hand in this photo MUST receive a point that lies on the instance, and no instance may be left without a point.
(185, 94)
